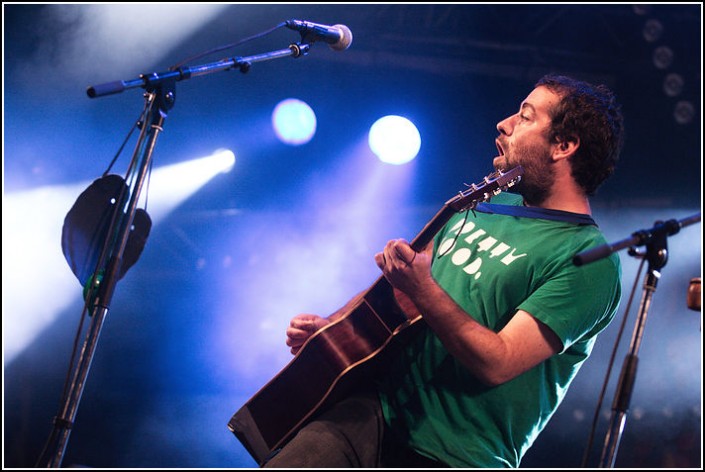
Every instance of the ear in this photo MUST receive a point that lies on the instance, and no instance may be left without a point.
(565, 147)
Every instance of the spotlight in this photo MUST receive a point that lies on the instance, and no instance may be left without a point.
(394, 140)
(673, 84)
(653, 29)
(684, 112)
(641, 9)
(224, 159)
(294, 122)
(663, 57)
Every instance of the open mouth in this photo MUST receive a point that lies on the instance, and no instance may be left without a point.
(500, 162)
(500, 149)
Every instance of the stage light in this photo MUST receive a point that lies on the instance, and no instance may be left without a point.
(684, 112)
(41, 284)
(663, 57)
(224, 159)
(394, 140)
(294, 121)
(172, 185)
(653, 30)
(642, 9)
(673, 84)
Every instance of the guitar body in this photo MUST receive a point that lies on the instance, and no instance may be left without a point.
(338, 358)
(346, 353)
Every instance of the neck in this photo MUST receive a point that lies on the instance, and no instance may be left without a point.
(566, 195)
(568, 202)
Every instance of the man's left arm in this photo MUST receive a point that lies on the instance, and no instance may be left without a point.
(493, 357)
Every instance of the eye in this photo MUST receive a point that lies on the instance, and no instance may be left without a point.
(524, 117)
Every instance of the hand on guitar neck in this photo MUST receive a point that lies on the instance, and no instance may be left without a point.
(407, 271)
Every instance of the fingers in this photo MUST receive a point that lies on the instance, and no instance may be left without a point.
(295, 338)
(403, 254)
(301, 328)
(380, 260)
(396, 253)
(305, 322)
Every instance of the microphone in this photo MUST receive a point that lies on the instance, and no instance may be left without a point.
(338, 37)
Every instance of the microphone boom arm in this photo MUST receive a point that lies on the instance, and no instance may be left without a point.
(638, 238)
(151, 81)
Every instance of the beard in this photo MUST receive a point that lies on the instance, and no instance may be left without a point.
(539, 174)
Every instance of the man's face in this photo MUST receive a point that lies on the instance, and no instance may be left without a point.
(524, 140)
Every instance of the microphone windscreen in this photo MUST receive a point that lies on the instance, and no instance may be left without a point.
(345, 41)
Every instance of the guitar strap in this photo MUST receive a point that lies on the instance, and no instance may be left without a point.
(540, 213)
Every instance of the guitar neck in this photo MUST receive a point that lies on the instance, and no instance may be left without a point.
(428, 232)
(379, 297)
(467, 200)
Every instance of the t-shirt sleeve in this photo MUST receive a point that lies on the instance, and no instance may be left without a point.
(577, 301)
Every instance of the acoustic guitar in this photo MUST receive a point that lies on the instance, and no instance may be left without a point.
(347, 351)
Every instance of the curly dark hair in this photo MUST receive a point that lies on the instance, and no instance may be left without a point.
(590, 113)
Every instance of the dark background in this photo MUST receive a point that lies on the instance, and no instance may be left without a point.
(197, 326)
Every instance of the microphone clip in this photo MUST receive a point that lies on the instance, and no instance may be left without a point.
(299, 49)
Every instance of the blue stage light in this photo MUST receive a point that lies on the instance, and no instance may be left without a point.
(294, 122)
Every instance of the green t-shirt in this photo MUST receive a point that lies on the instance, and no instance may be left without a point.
(492, 265)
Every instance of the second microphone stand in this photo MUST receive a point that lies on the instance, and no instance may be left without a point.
(656, 241)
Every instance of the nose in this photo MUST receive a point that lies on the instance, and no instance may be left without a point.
(506, 125)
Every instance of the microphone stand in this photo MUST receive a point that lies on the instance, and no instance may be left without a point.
(656, 255)
(159, 99)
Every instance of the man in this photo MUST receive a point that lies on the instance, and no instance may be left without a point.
(509, 319)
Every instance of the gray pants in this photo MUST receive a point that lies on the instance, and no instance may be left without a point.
(349, 434)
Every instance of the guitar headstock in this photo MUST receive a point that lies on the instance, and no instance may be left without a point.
(490, 186)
